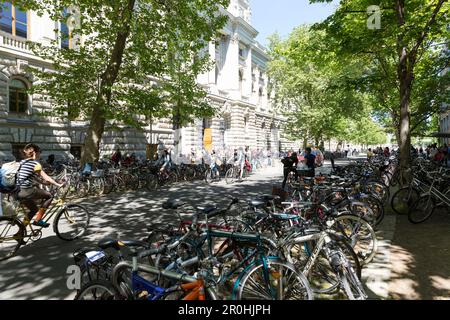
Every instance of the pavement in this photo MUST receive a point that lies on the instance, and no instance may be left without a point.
(413, 261)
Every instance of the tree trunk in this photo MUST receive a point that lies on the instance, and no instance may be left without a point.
(305, 143)
(96, 129)
(404, 73)
(90, 153)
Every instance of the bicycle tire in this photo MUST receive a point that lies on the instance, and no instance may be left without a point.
(299, 289)
(80, 227)
(404, 199)
(364, 243)
(19, 233)
(229, 176)
(109, 291)
(322, 277)
(208, 176)
(423, 209)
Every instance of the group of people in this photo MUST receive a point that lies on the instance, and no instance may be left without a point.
(378, 151)
(292, 161)
(435, 153)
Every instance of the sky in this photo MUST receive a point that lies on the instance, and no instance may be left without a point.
(269, 16)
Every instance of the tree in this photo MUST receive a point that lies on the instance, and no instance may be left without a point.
(130, 60)
(408, 32)
(313, 88)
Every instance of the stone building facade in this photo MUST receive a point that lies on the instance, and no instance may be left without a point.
(238, 87)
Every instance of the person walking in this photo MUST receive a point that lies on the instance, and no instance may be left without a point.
(289, 165)
(310, 161)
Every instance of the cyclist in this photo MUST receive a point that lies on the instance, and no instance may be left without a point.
(27, 178)
(165, 160)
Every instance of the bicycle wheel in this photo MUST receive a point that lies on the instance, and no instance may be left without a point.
(359, 234)
(377, 208)
(108, 184)
(12, 233)
(350, 283)
(98, 290)
(404, 199)
(379, 190)
(173, 178)
(71, 222)
(152, 182)
(82, 188)
(423, 209)
(208, 176)
(321, 276)
(278, 281)
(98, 186)
(230, 176)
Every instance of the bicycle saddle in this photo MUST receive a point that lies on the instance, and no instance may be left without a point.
(172, 204)
(208, 209)
(116, 244)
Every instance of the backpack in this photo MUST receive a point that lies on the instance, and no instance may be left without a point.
(8, 174)
(287, 161)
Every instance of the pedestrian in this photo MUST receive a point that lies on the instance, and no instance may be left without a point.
(116, 157)
(289, 165)
(370, 154)
(310, 161)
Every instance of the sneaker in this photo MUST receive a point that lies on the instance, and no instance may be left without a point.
(41, 223)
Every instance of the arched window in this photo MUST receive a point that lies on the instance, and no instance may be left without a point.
(18, 98)
(13, 20)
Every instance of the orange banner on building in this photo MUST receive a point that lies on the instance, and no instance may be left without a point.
(207, 140)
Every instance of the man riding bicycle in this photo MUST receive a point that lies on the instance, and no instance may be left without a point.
(30, 195)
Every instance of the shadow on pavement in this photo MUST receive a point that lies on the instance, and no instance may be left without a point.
(38, 271)
(421, 259)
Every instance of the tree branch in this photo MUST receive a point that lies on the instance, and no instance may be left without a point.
(430, 22)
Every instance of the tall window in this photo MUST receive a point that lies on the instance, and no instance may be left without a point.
(64, 29)
(13, 20)
(241, 80)
(18, 98)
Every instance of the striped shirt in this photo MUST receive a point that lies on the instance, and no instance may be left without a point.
(28, 170)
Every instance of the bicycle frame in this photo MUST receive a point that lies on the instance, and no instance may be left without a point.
(195, 287)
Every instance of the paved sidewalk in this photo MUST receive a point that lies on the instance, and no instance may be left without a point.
(420, 257)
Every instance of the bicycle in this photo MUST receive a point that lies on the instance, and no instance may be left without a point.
(426, 204)
(136, 287)
(70, 222)
(234, 173)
